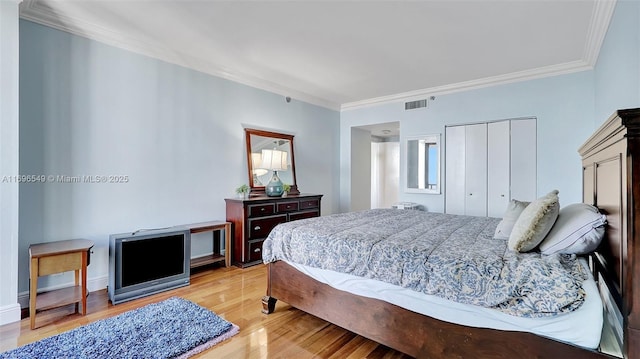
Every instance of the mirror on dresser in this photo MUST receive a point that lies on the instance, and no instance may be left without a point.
(422, 168)
(261, 148)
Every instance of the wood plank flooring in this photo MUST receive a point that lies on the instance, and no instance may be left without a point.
(235, 295)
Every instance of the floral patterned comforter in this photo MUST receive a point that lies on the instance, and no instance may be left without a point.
(454, 257)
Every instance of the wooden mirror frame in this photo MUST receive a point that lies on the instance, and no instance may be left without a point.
(257, 190)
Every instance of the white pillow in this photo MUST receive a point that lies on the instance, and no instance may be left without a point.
(534, 223)
(578, 230)
(514, 209)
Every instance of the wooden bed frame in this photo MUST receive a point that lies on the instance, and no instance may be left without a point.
(611, 167)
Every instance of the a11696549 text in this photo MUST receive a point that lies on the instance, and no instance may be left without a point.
(64, 179)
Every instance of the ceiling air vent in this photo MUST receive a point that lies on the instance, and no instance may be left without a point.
(415, 104)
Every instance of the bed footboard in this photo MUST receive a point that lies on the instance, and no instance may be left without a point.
(403, 330)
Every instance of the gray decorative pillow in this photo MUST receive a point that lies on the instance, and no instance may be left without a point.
(514, 209)
(534, 223)
(578, 230)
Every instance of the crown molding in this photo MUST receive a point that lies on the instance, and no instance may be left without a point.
(39, 13)
(600, 19)
(560, 69)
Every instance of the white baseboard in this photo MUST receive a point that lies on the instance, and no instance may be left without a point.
(10, 314)
(93, 284)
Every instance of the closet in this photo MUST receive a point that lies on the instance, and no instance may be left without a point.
(488, 164)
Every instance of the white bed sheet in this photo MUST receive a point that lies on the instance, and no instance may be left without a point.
(582, 327)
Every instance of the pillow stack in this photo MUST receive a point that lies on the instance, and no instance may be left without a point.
(575, 229)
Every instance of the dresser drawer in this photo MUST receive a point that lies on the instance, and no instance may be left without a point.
(265, 209)
(260, 227)
(288, 206)
(255, 250)
(303, 215)
(309, 203)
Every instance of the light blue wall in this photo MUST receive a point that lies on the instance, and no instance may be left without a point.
(563, 106)
(617, 71)
(91, 109)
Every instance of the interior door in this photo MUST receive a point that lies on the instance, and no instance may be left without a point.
(523, 159)
(475, 170)
(455, 170)
(498, 159)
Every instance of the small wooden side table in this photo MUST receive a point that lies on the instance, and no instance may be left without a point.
(57, 257)
(217, 255)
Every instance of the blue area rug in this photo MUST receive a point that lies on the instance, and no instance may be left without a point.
(174, 328)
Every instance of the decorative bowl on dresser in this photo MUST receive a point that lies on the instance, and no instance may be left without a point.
(253, 218)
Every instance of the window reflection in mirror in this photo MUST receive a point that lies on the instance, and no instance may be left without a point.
(423, 164)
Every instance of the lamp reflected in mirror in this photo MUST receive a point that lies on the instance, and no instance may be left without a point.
(256, 164)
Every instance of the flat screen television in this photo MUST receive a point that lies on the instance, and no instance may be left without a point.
(144, 263)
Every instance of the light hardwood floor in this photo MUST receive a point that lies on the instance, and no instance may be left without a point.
(235, 295)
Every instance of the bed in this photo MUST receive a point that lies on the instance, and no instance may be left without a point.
(611, 163)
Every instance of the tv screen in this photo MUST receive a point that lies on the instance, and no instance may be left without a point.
(144, 263)
(150, 259)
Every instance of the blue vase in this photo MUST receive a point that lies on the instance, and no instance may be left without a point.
(274, 188)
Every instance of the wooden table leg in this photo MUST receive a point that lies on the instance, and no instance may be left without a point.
(227, 245)
(33, 290)
(84, 282)
(76, 274)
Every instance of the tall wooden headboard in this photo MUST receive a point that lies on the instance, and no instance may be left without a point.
(611, 182)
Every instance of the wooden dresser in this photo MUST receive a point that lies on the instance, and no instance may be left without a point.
(253, 218)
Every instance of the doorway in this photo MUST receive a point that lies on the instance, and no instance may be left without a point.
(375, 159)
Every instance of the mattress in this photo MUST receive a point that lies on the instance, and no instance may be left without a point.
(453, 257)
(581, 327)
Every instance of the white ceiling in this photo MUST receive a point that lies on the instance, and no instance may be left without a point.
(348, 54)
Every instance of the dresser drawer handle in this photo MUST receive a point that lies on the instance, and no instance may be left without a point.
(288, 207)
(256, 250)
(256, 228)
(262, 209)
